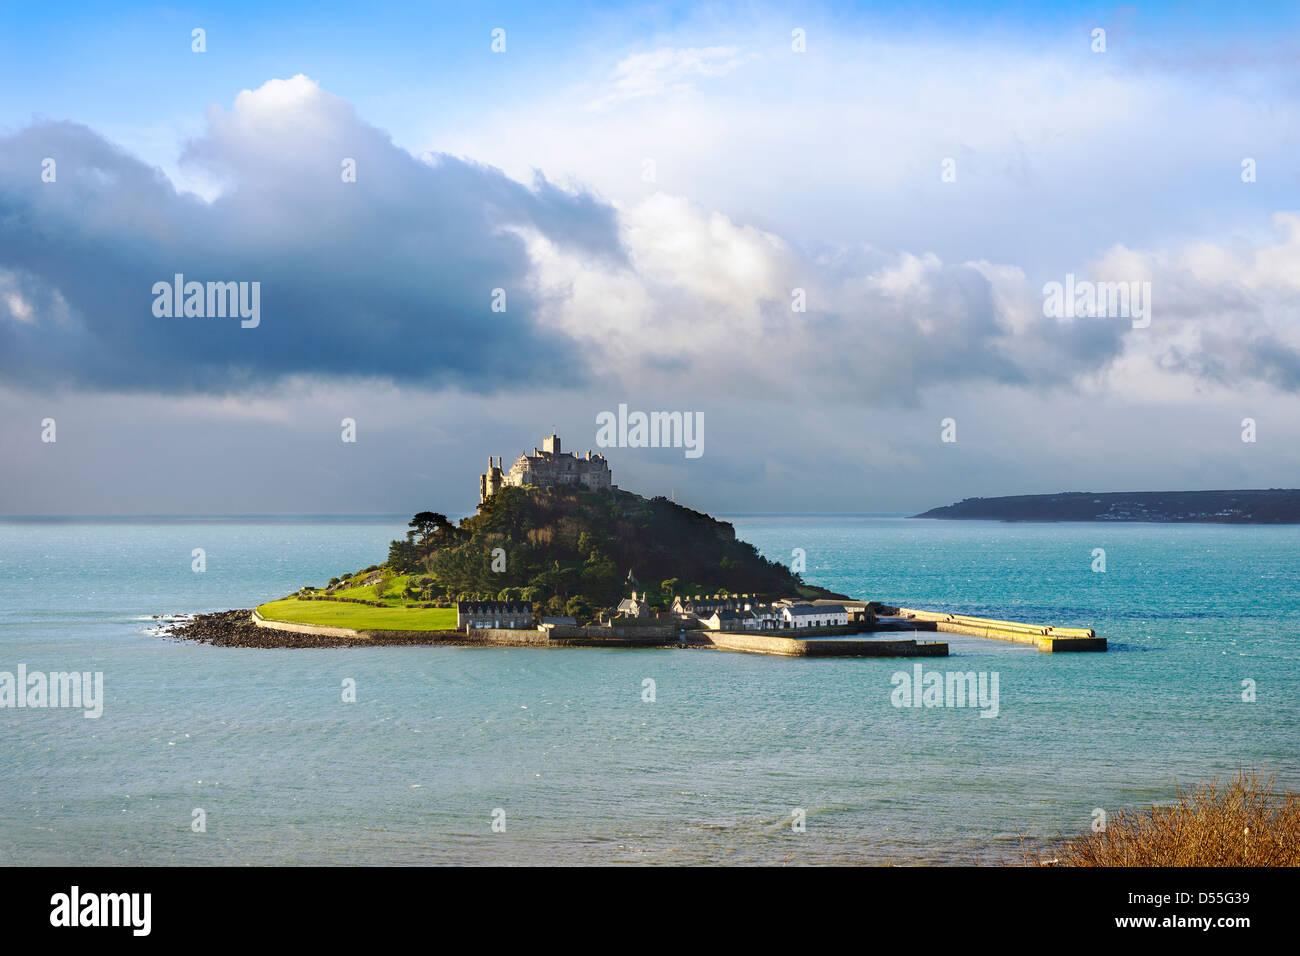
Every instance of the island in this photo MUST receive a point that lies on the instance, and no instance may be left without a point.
(558, 555)
(1268, 506)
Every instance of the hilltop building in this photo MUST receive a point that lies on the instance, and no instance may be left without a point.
(547, 468)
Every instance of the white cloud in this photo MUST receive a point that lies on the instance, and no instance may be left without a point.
(666, 71)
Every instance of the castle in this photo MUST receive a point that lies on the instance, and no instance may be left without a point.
(546, 468)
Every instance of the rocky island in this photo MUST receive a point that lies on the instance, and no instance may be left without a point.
(556, 554)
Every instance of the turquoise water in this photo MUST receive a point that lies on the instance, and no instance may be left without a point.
(588, 772)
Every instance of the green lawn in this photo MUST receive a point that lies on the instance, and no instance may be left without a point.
(393, 587)
(359, 616)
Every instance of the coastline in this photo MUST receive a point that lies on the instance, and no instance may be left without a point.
(236, 629)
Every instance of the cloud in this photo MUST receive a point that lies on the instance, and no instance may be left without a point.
(712, 303)
(390, 276)
(668, 70)
(1223, 313)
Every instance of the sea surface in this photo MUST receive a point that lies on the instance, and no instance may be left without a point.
(561, 745)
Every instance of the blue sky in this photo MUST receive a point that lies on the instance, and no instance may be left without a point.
(772, 169)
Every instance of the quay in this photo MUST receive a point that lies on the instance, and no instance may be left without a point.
(1046, 638)
(818, 647)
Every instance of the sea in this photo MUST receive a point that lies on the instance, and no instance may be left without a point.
(534, 756)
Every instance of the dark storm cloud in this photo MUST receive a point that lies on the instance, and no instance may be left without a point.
(391, 276)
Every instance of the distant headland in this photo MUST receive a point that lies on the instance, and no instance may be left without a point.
(1266, 506)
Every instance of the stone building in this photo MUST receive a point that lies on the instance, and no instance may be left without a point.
(703, 605)
(494, 614)
(634, 606)
(545, 468)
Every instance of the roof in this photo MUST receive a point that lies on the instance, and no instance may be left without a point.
(809, 610)
(730, 615)
(493, 607)
(712, 603)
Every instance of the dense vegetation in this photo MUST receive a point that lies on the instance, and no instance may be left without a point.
(570, 551)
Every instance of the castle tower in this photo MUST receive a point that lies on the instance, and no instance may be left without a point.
(490, 483)
(547, 468)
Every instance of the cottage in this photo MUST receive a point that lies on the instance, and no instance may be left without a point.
(813, 615)
(634, 606)
(702, 607)
(764, 617)
(493, 614)
(729, 621)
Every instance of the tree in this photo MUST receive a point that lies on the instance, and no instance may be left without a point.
(579, 607)
(433, 530)
(404, 556)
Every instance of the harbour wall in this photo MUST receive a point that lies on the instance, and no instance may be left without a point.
(754, 643)
(1045, 637)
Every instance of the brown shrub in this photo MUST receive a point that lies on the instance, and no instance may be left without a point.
(1240, 823)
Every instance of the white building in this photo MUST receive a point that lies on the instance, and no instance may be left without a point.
(763, 617)
(813, 615)
(729, 621)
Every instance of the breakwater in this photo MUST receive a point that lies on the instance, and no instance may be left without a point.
(1045, 637)
(818, 647)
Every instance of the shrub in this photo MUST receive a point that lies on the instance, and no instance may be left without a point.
(1240, 823)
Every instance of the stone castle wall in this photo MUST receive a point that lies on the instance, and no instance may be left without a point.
(546, 468)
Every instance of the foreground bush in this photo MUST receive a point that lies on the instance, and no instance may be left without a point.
(1240, 823)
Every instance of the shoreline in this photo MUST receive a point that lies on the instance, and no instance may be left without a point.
(244, 628)
(236, 629)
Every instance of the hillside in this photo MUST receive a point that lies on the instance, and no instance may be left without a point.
(1271, 506)
(570, 551)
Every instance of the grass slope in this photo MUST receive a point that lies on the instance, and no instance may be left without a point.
(360, 616)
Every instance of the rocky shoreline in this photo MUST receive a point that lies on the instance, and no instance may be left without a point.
(236, 629)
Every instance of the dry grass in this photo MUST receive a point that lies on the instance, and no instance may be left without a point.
(1240, 823)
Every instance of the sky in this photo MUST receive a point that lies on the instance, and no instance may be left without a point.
(825, 229)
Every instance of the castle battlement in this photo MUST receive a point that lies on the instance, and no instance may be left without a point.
(546, 467)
